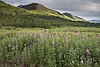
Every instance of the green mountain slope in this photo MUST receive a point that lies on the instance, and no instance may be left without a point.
(37, 8)
(33, 15)
(19, 17)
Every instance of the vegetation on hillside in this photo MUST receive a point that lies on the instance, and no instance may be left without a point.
(19, 17)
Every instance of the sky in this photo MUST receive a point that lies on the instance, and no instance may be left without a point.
(87, 9)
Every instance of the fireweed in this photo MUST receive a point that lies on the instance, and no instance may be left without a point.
(48, 49)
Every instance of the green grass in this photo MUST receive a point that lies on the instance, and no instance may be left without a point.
(54, 47)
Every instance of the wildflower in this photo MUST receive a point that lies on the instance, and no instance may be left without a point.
(87, 51)
(47, 33)
(78, 34)
(41, 36)
(81, 60)
(35, 34)
(99, 35)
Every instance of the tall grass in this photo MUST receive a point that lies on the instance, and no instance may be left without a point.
(50, 48)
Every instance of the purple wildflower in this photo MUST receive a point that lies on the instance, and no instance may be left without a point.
(47, 34)
(35, 34)
(81, 60)
(78, 34)
(87, 51)
(41, 36)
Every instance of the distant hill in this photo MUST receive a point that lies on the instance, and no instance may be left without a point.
(41, 9)
(75, 18)
(34, 6)
(35, 15)
(95, 21)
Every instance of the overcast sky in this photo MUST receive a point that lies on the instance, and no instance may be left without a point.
(88, 9)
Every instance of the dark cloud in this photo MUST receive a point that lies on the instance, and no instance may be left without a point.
(85, 8)
(96, 1)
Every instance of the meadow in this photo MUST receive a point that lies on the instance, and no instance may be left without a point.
(53, 47)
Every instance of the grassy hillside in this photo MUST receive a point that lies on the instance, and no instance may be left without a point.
(15, 16)
(37, 8)
(20, 17)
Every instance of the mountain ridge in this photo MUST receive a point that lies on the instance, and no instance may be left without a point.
(76, 18)
(44, 10)
(40, 7)
(33, 6)
(21, 17)
(95, 21)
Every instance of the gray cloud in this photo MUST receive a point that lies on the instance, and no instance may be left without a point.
(85, 8)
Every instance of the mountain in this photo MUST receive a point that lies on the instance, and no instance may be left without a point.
(95, 21)
(41, 9)
(75, 18)
(34, 15)
(21, 17)
(34, 6)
